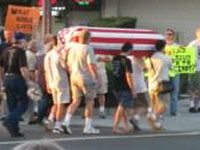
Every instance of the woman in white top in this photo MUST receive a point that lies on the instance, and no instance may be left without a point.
(158, 66)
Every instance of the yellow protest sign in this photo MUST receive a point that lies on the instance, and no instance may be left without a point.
(22, 19)
(183, 59)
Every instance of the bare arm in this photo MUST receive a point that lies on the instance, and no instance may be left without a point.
(129, 77)
(46, 75)
(93, 70)
(25, 73)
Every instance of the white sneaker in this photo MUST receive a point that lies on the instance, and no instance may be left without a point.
(48, 125)
(66, 129)
(57, 130)
(91, 130)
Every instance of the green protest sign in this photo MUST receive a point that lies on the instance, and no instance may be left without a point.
(183, 59)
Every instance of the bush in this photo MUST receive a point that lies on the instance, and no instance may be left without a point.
(118, 22)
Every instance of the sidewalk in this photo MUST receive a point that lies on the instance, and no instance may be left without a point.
(184, 122)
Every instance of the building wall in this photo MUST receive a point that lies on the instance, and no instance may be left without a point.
(82, 17)
(111, 8)
(182, 15)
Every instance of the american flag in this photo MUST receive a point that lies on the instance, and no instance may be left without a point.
(110, 40)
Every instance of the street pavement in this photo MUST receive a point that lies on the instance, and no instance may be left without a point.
(182, 132)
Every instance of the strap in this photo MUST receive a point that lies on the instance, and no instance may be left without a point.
(152, 66)
(10, 59)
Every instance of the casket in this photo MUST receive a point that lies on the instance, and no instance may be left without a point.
(110, 40)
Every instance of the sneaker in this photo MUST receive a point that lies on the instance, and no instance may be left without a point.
(32, 122)
(151, 122)
(173, 114)
(134, 123)
(57, 130)
(6, 125)
(16, 134)
(48, 125)
(13, 132)
(192, 110)
(158, 128)
(102, 115)
(91, 130)
(66, 129)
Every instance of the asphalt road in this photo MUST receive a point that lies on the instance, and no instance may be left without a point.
(144, 140)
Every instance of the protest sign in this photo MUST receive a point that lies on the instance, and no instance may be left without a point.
(22, 19)
(183, 59)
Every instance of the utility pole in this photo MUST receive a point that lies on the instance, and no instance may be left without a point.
(46, 18)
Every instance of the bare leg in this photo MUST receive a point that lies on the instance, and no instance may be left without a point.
(89, 108)
(102, 100)
(73, 106)
(117, 118)
(88, 113)
(60, 112)
(125, 119)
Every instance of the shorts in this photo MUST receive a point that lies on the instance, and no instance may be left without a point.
(142, 100)
(194, 84)
(124, 98)
(103, 89)
(60, 96)
(158, 99)
(83, 88)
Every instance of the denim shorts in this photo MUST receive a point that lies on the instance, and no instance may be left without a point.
(124, 98)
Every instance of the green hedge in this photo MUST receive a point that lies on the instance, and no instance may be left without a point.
(118, 22)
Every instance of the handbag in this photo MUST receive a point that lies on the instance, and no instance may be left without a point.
(164, 86)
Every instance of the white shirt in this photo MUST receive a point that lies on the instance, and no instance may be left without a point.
(158, 66)
(31, 60)
(101, 70)
(79, 57)
(196, 44)
(56, 75)
(138, 75)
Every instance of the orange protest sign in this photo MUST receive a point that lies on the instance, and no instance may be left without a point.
(22, 19)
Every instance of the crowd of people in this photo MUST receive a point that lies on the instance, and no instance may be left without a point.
(51, 81)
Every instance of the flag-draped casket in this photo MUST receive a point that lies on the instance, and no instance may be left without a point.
(110, 40)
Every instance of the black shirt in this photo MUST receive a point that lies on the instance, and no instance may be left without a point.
(121, 66)
(13, 59)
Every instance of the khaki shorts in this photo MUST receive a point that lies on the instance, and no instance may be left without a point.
(81, 88)
(103, 89)
(60, 96)
(158, 100)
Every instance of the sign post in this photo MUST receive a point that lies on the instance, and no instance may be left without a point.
(46, 18)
